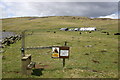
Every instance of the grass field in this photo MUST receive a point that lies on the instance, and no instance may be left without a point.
(100, 60)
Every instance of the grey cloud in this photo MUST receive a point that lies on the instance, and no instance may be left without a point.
(89, 9)
(60, 0)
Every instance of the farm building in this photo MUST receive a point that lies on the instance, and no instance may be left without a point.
(76, 29)
(64, 29)
(71, 30)
(79, 29)
(88, 29)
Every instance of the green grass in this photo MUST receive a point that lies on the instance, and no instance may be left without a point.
(78, 65)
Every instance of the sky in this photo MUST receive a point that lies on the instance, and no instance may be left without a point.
(40, 9)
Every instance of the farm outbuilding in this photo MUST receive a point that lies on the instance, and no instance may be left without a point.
(71, 30)
(64, 29)
(76, 29)
(88, 29)
(79, 29)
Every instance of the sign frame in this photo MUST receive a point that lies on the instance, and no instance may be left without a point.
(64, 48)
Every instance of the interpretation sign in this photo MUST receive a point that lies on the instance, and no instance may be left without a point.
(60, 52)
(55, 52)
(64, 52)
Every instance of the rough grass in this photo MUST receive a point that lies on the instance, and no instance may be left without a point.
(98, 61)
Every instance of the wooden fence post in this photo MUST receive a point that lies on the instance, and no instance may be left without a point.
(25, 62)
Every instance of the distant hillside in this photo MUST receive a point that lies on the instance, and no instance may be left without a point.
(52, 22)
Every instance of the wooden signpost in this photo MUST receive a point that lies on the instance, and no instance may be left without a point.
(61, 52)
(57, 52)
(64, 53)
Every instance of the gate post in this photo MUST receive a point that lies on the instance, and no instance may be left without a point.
(25, 62)
(23, 43)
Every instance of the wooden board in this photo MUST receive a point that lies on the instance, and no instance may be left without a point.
(64, 52)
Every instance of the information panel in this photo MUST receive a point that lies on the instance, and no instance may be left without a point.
(55, 52)
(64, 52)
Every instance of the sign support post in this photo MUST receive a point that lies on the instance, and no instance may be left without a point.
(61, 52)
(63, 62)
(65, 44)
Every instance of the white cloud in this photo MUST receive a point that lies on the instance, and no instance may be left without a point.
(17, 9)
(112, 16)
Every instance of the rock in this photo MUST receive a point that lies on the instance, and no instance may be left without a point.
(108, 33)
(103, 32)
(115, 62)
(90, 32)
(88, 46)
(105, 44)
(95, 44)
(1, 46)
(116, 33)
(88, 41)
(1, 51)
(95, 61)
(3, 57)
(94, 71)
(78, 41)
(104, 50)
(86, 54)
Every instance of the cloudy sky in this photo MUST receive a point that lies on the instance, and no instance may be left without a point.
(88, 9)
